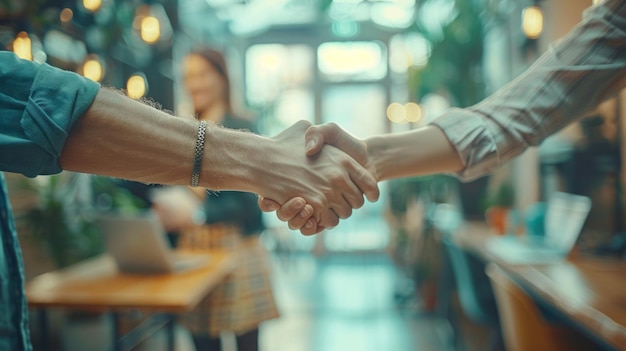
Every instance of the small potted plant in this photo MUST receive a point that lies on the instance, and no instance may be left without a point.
(499, 205)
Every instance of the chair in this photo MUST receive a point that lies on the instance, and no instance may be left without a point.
(523, 326)
(474, 290)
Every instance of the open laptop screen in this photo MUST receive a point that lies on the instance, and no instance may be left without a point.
(565, 217)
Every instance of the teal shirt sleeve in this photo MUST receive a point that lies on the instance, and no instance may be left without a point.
(39, 104)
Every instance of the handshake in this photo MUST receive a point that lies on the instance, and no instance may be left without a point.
(313, 176)
(314, 181)
(335, 172)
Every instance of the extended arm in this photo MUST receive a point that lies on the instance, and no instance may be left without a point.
(578, 72)
(419, 152)
(122, 138)
(54, 120)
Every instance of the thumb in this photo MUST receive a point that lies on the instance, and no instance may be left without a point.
(268, 205)
(332, 134)
(315, 139)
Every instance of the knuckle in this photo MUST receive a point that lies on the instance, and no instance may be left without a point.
(333, 222)
(281, 217)
(340, 180)
(292, 226)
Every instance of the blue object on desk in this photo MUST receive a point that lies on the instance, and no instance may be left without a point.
(536, 219)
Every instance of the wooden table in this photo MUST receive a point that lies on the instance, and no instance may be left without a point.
(97, 285)
(590, 291)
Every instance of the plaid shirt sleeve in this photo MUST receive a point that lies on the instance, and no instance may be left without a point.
(578, 72)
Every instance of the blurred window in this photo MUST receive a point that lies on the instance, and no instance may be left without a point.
(274, 68)
(352, 61)
(360, 109)
(278, 85)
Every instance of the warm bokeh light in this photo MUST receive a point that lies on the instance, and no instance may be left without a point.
(396, 112)
(22, 46)
(150, 29)
(136, 86)
(152, 24)
(66, 15)
(532, 22)
(413, 112)
(92, 5)
(92, 69)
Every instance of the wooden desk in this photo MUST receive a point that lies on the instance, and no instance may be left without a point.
(590, 291)
(96, 285)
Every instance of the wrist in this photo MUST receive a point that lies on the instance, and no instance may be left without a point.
(230, 159)
(376, 147)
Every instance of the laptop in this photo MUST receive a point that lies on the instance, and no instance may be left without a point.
(137, 244)
(565, 216)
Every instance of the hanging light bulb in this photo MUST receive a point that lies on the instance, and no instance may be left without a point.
(92, 5)
(150, 29)
(396, 112)
(137, 86)
(22, 46)
(92, 68)
(66, 15)
(532, 22)
(413, 112)
(152, 24)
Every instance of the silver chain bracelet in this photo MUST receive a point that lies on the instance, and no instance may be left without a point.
(197, 156)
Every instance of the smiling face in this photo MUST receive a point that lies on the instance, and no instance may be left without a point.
(205, 85)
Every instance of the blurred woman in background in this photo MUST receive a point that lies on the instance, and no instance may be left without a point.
(232, 220)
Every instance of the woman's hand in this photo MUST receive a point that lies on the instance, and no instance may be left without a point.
(330, 181)
(296, 211)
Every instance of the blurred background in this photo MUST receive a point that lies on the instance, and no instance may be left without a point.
(371, 66)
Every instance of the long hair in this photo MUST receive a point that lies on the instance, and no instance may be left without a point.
(216, 59)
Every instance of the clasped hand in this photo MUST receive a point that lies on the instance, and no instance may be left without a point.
(342, 176)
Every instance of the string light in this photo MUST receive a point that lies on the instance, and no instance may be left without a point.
(413, 112)
(92, 5)
(22, 46)
(66, 15)
(532, 22)
(396, 112)
(92, 68)
(136, 86)
(150, 29)
(152, 24)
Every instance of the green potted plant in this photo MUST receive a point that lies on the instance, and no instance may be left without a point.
(62, 222)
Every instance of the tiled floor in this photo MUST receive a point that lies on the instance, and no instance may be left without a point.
(344, 302)
(335, 302)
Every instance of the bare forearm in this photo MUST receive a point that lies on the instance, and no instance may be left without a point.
(419, 152)
(124, 138)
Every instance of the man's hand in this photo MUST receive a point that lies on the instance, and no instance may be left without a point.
(331, 182)
(296, 211)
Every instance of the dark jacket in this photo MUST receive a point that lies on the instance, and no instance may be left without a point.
(235, 207)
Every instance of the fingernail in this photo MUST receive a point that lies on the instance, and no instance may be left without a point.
(300, 203)
(308, 225)
(310, 145)
(272, 207)
(305, 212)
